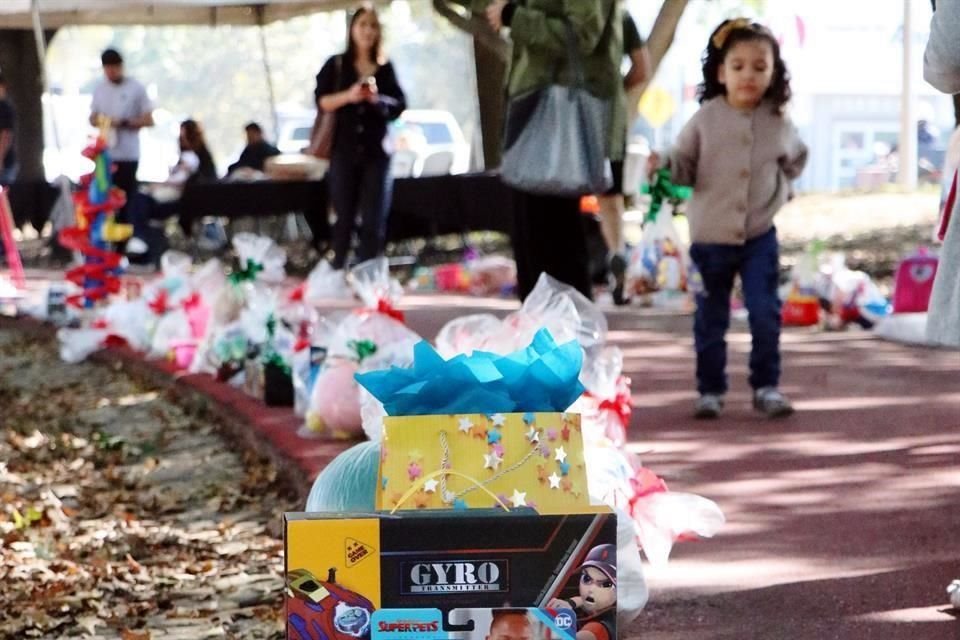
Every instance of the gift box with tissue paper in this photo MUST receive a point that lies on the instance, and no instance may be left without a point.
(479, 430)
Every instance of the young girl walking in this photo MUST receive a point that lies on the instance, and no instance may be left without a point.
(739, 152)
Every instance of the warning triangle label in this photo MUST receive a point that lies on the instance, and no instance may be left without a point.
(357, 552)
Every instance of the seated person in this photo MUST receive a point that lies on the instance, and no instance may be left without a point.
(160, 201)
(255, 154)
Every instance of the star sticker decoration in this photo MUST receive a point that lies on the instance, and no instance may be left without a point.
(560, 455)
(519, 499)
(480, 433)
(498, 449)
(414, 471)
(554, 481)
(492, 461)
(395, 498)
(529, 418)
(541, 473)
(493, 437)
(450, 498)
(498, 419)
(565, 468)
(465, 425)
(430, 486)
(552, 435)
(565, 433)
(421, 500)
(545, 451)
(533, 435)
(383, 483)
(566, 484)
(459, 505)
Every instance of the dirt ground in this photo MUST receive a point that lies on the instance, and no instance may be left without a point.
(124, 515)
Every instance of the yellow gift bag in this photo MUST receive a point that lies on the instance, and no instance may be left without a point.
(482, 461)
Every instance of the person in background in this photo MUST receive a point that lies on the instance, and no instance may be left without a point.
(149, 210)
(361, 86)
(124, 101)
(612, 203)
(548, 232)
(739, 152)
(255, 154)
(8, 154)
(941, 68)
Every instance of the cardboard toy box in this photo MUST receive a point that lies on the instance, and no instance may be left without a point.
(340, 568)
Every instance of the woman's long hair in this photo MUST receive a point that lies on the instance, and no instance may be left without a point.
(196, 142)
(722, 40)
(376, 53)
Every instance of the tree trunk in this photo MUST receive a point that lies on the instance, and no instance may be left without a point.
(662, 34)
(20, 65)
(490, 53)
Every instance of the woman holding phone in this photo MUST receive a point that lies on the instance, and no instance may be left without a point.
(361, 87)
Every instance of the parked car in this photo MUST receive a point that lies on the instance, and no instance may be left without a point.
(427, 141)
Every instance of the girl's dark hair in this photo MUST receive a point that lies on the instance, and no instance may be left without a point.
(722, 40)
(351, 52)
(196, 142)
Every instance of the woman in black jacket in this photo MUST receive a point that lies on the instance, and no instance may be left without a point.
(361, 87)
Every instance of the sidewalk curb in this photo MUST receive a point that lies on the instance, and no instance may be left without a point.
(242, 419)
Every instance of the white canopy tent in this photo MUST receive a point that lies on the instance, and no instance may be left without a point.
(42, 15)
(20, 14)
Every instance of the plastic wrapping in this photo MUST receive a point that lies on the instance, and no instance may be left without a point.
(554, 306)
(658, 265)
(77, 344)
(632, 592)
(349, 483)
(261, 260)
(325, 283)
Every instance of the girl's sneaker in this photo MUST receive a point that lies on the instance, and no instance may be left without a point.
(708, 406)
(770, 401)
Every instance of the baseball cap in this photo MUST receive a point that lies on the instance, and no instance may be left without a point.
(604, 558)
(110, 57)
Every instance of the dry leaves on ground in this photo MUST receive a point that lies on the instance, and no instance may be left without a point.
(123, 516)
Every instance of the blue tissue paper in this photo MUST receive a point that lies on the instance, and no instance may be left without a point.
(543, 377)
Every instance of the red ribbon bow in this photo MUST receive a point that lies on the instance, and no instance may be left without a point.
(159, 304)
(384, 307)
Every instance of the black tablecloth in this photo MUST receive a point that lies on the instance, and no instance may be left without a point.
(421, 207)
(31, 202)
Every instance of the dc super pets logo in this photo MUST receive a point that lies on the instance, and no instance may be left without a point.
(459, 576)
(408, 626)
(318, 610)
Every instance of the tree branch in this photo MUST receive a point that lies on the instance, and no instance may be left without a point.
(475, 25)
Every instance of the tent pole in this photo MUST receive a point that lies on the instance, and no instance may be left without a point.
(41, 43)
(266, 69)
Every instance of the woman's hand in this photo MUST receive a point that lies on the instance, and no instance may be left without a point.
(370, 92)
(356, 93)
(495, 14)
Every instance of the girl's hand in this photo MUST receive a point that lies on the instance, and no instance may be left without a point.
(495, 14)
(653, 163)
(370, 93)
(557, 604)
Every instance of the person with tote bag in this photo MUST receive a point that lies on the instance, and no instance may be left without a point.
(361, 88)
(565, 122)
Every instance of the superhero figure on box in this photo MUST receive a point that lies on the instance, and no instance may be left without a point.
(596, 606)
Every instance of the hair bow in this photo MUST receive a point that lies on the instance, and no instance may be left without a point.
(720, 37)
